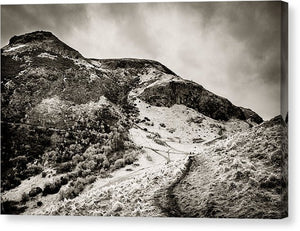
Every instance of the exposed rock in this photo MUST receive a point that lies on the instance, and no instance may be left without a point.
(117, 207)
(249, 114)
(45, 40)
(277, 120)
(194, 96)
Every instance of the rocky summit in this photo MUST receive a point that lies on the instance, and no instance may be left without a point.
(129, 137)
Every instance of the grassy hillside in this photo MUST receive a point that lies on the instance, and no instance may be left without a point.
(244, 176)
(128, 137)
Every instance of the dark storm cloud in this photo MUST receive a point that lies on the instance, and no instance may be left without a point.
(257, 25)
(254, 24)
(60, 19)
(253, 27)
(231, 48)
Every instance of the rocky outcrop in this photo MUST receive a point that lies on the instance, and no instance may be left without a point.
(194, 96)
(137, 64)
(47, 41)
(277, 120)
(249, 114)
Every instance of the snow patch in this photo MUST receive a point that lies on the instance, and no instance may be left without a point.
(165, 79)
(173, 123)
(82, 62)
(46, 55)
(151, 79)
(14, 48)
(98, 66)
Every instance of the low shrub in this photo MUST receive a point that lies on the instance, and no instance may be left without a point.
(129, 158)
(35, 191)
(271, 182)
(103, 173)
(39, 203)
(12, 207)
(64, 167)
(10, 183)
(197, 119)
(76, 187)
(67, 194)
(160, 142)
(91, 179)
(119, 163)
(64, 180)
(162, 125)
(32, 171)
(86, 172)
(171, 130)
(25, 197)
(52, 188)
(106, 164)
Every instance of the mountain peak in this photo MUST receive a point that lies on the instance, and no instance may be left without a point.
(158, 85)
(46, 41)
(33, 36)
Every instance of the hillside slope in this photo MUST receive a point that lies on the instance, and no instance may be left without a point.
(103, 132)
(243, 176)
(38, 65)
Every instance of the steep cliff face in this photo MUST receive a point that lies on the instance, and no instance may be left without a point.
(194, 96)
(249, 114)
(133, 64)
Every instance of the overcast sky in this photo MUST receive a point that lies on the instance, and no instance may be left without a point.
(232, 49)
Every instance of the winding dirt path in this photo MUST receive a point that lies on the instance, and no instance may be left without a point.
(166, 199)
